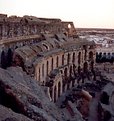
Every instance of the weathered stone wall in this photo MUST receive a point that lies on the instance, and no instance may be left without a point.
(14, 26)
(41, 45)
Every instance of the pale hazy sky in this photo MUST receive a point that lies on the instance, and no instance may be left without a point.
(84, 13)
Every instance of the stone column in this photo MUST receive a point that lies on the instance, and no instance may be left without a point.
(61, 88)
(70, 85)
(48, 93)
(56, 91)
(65, 87)
(53, 93)
(75, 83)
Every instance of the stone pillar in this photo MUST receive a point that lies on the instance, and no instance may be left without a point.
(65, 87)
(56, 91)
(48, 92)
(61, 88)
(53, 93)
(70, 85)
(75, 83)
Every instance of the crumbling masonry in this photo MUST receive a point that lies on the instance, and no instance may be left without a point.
(47, 49)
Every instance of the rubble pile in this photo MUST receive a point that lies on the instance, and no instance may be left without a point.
(21, 96)
(82, 96)
(22, 99)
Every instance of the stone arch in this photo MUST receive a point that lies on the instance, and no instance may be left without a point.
(92, 65)
(18, 61)
(69, 26)
(16, 47)
(52, 64)
(85, 67)
(42, 70)
(73, 58)
(100, 54)
(55, 93)
(91, 56)
(62, 59)
(45, 46)
(68, 58)
(3, 60)
(63, 87)
(91, 60)
(79, 58)
(73, 83)
(57, 61)
(74, 68)
(9, 57)
(47, 67)
(71, 71)
(39, 74)
(65, 72)
(59, 89)
(64, 79)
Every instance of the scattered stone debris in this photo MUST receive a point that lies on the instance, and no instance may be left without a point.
(23, 95)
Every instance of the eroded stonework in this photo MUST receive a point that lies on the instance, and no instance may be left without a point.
(47, 49)
(50, 51)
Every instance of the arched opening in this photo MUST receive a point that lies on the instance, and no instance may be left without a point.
(47, 68)
(3, 60)
(62, 59)
(18, 61)
(39, 74)
(68, 58)
(104, 98)
(42, 70)
(73, 58)
(55, 93)
(69, 26)
(59, 89)
(90, 56)
(65, 73)
(9, 57)
(91, 60)
(79, 58)
(45, 46)
(63, 88)
(52, 64)
(74, 68)
(57, 61)
(92, 65)
(73, 82)
(71, 71)
(85, 67)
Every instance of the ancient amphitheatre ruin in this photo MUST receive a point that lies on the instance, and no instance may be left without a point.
(51, 53)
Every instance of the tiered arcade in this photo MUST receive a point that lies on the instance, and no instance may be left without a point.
(47, 49)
